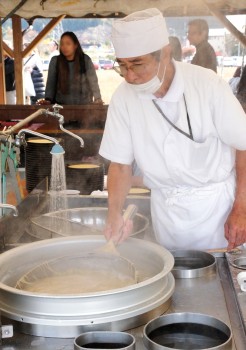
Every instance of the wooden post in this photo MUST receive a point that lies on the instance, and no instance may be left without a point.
(17, 39)
(2, 72)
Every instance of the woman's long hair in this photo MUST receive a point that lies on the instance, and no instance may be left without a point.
(63, 67)
(241, 88)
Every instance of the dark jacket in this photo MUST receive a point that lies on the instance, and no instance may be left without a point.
(38, 82)
(9, 74)
(205, 56)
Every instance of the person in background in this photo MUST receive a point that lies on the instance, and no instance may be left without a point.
(233, 82)
(54, 49)
(184, 128)
(33, 66)
(72, 78)
(176, 48)
(241, 89)
(9, 68)
(198, 36)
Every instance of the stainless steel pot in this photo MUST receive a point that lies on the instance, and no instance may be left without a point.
(192, 263)
(69, 315)
(187, 331)
(104, 340)
(239, 263)
(78, 221)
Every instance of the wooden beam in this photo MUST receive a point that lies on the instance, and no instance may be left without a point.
(42, 34)
(17, 38)
(227, 24)
(2, 72)
(8, 50)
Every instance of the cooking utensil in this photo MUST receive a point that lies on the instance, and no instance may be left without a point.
(104, 340)
(66, 316)
(187, 331)
(128, 214)
(98, 270)
(78, 221)
(193, 263)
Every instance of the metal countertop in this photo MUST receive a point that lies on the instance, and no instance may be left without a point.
(217, 295)
(212, 295)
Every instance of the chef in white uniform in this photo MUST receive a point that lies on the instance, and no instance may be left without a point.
(184, 128)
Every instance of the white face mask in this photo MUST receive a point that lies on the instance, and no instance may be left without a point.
(151, 86)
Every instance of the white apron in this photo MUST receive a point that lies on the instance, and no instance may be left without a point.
(192, 216)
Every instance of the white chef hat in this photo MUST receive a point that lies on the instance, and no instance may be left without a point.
(139, 33)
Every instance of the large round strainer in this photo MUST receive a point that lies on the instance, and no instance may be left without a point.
(72, 275)
(99, 270)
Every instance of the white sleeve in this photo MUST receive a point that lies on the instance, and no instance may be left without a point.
(117, 142)
(229, 117)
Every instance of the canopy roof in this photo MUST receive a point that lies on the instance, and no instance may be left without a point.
(59, 9)
(113, 8)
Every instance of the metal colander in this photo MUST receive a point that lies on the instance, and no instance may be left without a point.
(89, 273)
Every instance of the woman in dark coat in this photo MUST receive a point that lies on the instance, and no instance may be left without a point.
(72, 78)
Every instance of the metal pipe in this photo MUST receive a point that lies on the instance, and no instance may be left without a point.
(23, 122)
(56, 114)
(73, 135)
(27, 131)
(10, 206)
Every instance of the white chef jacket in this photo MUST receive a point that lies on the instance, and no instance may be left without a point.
(192, 182)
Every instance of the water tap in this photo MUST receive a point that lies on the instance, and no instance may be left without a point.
(56, 114)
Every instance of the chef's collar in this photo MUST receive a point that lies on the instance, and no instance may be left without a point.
(175, 90)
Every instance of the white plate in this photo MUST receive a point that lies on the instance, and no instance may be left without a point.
(70, 192)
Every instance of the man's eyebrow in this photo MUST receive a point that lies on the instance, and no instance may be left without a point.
(134, 60)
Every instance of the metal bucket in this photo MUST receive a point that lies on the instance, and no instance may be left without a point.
(239, 263)
(104, 340)
(67, 316)
(85, 177)
(38, 161)
(190, 331)
(192, 263)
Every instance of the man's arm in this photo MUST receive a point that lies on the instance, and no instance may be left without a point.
(119, 183)
(235, 226)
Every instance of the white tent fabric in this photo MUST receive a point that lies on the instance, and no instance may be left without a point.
(81, 8)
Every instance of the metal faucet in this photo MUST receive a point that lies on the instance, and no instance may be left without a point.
(56, 114)
(10, 206)
(20, 138)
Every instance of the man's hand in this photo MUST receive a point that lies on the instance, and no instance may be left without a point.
(118, 230)
(119, 183)
(235, 228)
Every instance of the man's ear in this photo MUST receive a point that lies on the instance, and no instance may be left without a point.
(166, 52)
